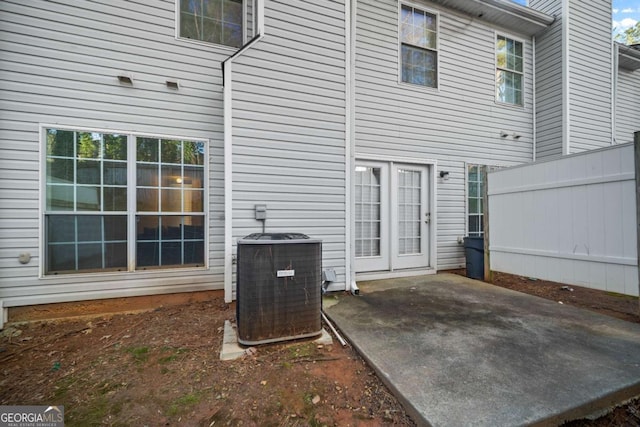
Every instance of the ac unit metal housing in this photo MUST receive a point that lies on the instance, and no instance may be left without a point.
(278, 287)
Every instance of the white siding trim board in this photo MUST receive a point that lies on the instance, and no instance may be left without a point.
(228, 150)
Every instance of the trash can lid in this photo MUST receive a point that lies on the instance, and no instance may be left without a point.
(275, 236)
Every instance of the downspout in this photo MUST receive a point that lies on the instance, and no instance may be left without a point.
(4, 315)
(227, 82)
(614, 89)
(533, 98)
(566, 78)
(350, 19)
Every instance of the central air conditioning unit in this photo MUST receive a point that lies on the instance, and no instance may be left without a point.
(278, 287)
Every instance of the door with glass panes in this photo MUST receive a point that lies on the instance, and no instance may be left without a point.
(391, 216)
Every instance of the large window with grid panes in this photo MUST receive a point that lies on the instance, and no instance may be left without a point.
(122, 202)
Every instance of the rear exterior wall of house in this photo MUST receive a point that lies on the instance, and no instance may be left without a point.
(60, 68)
(59, 71)
(289, 127)
(574, 91)
(458, 123)
(627, 105)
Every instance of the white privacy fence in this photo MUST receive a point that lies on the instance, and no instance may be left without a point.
(570, 220)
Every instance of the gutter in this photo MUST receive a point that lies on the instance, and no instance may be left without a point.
(524, 12)
(227, 81)
(628, 56)
(528, 21)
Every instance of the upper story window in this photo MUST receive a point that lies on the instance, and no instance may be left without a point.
(509, 71)
(212, 21)
(419, 46)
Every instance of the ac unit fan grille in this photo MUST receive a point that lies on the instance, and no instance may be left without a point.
(273, 308)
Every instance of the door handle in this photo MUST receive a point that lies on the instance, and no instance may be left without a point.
(427, 220)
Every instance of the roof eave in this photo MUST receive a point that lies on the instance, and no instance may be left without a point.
(504, 13)
(628, 57)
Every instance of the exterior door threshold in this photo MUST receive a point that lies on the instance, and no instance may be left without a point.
(379, 275)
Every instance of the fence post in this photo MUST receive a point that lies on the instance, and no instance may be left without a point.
(485, 223)
(636, 151)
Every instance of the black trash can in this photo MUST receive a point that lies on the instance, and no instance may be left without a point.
(474, 253)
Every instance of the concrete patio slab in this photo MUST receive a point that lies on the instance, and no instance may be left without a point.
(460, 352)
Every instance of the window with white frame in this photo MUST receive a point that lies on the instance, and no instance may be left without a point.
(475, 205)
(418, 46)
(368, 189)
(108, 196)
(509, 70)
(212, 21)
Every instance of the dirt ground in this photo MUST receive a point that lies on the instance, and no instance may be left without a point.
(162, 368)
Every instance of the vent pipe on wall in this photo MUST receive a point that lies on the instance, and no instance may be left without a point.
(227, 81)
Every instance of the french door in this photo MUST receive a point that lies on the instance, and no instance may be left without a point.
(391, 216)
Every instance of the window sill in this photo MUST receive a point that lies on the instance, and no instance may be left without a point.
(512, 106)
(428, 89)
(151, 273)
(207, 44)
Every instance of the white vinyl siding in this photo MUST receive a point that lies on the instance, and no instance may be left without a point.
(573, 77)
(459, 123)
(590, 86)
(289, 127)
(549, 82)
(627, 105)
(60, 63)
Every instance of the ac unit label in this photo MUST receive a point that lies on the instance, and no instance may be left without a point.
(286, 273)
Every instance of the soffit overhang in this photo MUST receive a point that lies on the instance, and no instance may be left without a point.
(503, 13)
